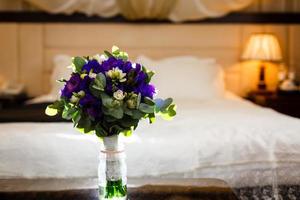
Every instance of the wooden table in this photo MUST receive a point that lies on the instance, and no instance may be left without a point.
(138, 189)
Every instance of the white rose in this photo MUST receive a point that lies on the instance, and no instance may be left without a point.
(119, 95)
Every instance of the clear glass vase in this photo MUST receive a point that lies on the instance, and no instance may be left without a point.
(112, 171)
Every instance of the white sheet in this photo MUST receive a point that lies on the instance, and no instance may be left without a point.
(206, 135)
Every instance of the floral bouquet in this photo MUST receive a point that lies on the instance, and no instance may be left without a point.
(108, 95)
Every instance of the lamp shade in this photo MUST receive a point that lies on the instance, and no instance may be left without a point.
(262, 47)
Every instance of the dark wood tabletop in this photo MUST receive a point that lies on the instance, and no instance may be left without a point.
(160, 189)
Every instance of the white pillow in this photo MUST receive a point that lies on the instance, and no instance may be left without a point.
(60, 71)
(186, 77)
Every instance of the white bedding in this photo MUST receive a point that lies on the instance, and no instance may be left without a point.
(227, 133)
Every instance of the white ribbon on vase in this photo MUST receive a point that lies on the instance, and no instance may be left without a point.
(175, 10)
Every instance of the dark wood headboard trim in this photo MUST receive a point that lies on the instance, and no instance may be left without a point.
(233, 18)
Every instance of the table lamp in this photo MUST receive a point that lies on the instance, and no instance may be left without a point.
(263, 47)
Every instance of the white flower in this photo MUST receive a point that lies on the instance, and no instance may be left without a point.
(74, 99)
(92, 75)
(81, 93)
(116, 74)
(119, 95)
(99, 58)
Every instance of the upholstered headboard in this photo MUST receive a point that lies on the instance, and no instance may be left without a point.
(29, 48)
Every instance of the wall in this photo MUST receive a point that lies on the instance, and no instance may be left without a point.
(27, 50)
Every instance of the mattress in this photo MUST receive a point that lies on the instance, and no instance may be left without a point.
(227, 138)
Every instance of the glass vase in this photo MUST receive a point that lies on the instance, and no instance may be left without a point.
(112, 170)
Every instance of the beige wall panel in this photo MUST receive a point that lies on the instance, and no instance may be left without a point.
(295, 49)
(8, 52)
(11, 5)
(31, 58)
(273, 5)
(126, 35)
(281, 33)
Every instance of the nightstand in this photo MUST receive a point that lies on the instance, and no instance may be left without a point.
(288, 104)
(12, 100)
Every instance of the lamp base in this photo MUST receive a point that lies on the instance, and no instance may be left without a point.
(262, 84)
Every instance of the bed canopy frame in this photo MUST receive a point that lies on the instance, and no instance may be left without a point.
(232, 18)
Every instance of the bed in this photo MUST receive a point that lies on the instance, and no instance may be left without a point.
(215, 135)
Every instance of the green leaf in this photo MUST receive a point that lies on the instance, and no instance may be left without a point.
(69, 112)
(110, 119)
(151, 117)
(149, 76)
(51, 111)
(127, 111)
(108, 54)
(78, 63)
(115, 50)
(115, 130)
(136, 114)
(100, 82)
(85, 124)
(128, 122)
(146, 108)
(161, 105)
(149, 101)
(107, 101)
(169, 113)
(127, 133)
(138, 101)
(167, 103)
(114, 112)
(100, 131)
(76, 117)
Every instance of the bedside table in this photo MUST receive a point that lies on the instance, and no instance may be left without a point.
(288, 104)
(12, 100)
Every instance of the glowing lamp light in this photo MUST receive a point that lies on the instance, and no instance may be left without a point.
(262, 47)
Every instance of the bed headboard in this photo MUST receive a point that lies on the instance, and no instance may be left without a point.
(34, 45)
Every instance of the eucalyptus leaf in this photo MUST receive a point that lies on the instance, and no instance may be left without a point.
(116, 112)
(149, 75)
(100, 131)
(146, 108)
(151, 117)
(149, 101)
(108, 54)
(136, 114)
(76, 117)
(51, 111)
(127, 133)
(166, 104)
(68, 112)
(78, 63)
(100, 82)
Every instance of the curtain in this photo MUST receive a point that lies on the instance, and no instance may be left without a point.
(147, 9)
(104, 8)
(199, 9)
(175, 10)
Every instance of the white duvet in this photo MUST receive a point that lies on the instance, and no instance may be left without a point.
(204, 137)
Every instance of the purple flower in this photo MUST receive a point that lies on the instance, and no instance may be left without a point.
(146, 90)
(93, 111)
(91, 105)
(85, 83)
(110, 63)
(141, 78)
(126, 67)
(72, 85)
(92, 64)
